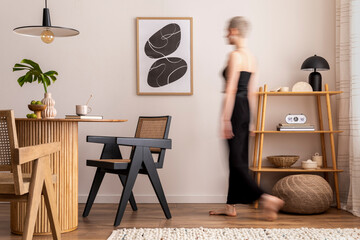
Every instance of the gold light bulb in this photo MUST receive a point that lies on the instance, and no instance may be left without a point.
(47, 36)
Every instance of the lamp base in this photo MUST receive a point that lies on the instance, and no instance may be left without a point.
(315, 81)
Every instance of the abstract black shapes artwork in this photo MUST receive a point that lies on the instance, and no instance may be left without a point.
(164, 56)
(163, 42)
(166, 71)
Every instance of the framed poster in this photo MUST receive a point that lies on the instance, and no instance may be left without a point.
(164, 56)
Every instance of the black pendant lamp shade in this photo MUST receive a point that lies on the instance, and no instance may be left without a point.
(46, 31)
(315, 63)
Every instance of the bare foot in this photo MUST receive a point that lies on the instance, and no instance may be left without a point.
(228, 210)
(271, 206)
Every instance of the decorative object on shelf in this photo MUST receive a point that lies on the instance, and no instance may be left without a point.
(295, 127)
(46, 31)
(309, 164)
(283, 89)
(295, 118)
(302, 87)
(50, 111)
(315, 63)
(283, 161)
(304, 193)
(164, 56)
(37, 109)
(295, 122)
(318, 159)
(33, 74)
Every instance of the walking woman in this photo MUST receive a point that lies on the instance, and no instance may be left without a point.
(236, 122)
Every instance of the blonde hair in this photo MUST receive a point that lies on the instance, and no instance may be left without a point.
(241, 24)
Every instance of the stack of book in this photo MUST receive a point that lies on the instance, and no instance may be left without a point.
(295, 127)
(83, 117)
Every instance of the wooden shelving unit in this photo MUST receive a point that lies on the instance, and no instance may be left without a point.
(260, 131)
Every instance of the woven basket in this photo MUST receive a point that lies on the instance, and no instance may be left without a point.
(283, 161)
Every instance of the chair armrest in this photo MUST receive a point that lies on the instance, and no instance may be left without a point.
(30, 153)
(145, 142)
(101, 139)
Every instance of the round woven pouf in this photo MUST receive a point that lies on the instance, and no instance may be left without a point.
(304, 193)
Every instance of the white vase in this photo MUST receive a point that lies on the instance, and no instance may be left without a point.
(50, 111)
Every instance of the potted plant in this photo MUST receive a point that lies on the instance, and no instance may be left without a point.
(35, 74)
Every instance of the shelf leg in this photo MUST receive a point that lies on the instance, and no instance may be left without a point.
(262, 127)
(258, 175)
(257, 129)
(336, 182)
(332, 144)
(322, 136)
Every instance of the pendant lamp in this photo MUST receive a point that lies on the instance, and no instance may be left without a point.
(46, 31)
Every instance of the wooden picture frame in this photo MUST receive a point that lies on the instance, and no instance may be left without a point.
(164, 56)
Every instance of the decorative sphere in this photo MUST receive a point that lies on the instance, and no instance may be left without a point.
(47, 36)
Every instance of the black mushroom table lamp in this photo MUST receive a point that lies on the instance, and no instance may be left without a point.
(315, 63)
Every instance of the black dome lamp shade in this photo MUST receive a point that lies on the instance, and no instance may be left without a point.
(315, 63)
(46, 31)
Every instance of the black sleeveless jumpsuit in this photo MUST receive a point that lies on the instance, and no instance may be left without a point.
(242, 188)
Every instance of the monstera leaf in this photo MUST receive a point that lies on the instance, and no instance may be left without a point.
(34, 73)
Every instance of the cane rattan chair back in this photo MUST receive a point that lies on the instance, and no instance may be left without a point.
(8, 139)
(154, 127)
(8, 144)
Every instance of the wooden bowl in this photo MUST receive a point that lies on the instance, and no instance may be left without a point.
(283, 161)
(34, 107)
(37, 109)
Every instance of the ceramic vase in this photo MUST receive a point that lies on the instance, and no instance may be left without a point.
(50, 111)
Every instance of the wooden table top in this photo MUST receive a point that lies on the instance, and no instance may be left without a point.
(70, 120)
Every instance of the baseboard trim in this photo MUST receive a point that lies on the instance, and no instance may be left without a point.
(107, 198)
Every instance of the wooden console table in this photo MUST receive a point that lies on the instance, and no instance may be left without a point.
(64, 165)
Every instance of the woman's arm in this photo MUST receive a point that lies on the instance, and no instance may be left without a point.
(232, 79)
(252, 98)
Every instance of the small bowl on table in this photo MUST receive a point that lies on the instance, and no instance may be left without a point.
(37, 109)
(283, 161)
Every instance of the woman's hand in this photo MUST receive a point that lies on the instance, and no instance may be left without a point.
(252, 129)
(226, 129)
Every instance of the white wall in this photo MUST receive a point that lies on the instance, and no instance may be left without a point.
(102, 61)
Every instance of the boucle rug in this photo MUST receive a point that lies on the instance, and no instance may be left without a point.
(236, 233)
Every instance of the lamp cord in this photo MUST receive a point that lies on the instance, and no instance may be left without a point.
(45, 3)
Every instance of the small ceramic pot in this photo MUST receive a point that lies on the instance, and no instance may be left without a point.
(308, 164)
(318, 159)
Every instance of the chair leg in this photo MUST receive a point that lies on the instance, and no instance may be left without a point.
(155, 182)
(127, 190)
(49, 197)
(132, 198)
(34, 198)
(99, 176)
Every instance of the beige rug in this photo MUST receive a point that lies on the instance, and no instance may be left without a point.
(236, 233)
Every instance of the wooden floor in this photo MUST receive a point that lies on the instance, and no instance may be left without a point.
(99, 224)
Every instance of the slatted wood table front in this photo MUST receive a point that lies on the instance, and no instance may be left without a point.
(64, 165)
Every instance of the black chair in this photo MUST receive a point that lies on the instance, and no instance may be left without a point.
(151, 137)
